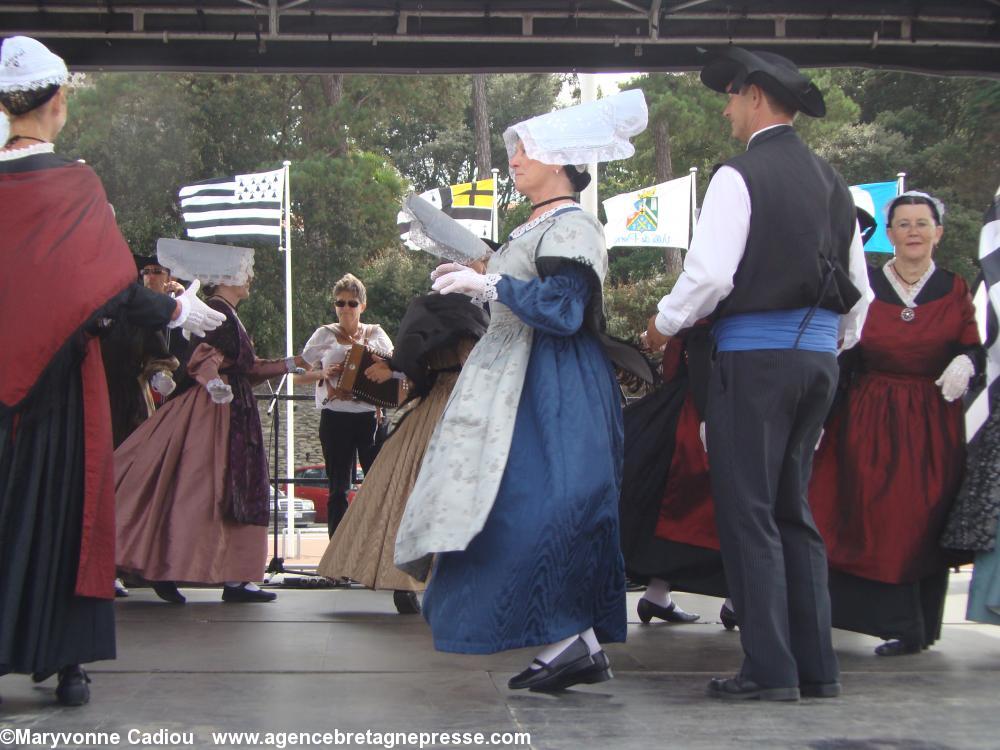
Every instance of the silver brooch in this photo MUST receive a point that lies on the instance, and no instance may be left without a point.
(907, 314)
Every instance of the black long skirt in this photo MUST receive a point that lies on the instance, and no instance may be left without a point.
(650, 440)
(911, 612)
(44, 626)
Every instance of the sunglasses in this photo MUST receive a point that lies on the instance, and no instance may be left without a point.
(348, 302)
(154, 271)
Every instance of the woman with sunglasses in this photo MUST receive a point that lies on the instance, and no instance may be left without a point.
(347, 425)
(890, 464)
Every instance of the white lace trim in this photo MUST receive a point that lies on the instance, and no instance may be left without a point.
(35, 84)
(18, 153)
(535, 222)
(490, 290)
(907, 294)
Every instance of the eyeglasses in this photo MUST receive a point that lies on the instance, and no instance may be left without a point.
(922, 225)
(154, 271)
(348, 302)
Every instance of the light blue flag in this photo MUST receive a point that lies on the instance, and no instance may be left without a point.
(873, 197)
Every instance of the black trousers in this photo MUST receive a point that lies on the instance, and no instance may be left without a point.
(765, 412)
(343, 435)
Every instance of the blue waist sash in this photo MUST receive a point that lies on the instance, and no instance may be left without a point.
(779, 329)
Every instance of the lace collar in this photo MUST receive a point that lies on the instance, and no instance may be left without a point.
(908, 294)
(535, 222)
(18, 153)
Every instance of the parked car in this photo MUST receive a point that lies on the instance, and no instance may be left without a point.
(320, 493)
(304, 510)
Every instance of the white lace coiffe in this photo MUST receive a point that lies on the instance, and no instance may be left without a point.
(592, 132)
(28, 65)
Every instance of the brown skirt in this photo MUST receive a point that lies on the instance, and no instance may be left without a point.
(363, 545)
(170, 488)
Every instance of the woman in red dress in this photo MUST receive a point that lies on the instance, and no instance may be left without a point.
(892, 460)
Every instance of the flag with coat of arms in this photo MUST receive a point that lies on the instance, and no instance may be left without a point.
(658, 216)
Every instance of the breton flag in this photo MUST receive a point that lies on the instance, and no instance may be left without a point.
(658, 216)
(471, 204)
(873, 197)
(244, 208)
(983, 394)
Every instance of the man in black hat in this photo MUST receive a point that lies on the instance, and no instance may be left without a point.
(777, 257)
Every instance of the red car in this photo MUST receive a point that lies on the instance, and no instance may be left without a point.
(320, 493)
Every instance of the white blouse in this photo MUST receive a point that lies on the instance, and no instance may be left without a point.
(323, 348)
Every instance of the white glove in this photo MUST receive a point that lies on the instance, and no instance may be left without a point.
(482, 288)
(220, 392)
(200, 317)
(954, 381)
(162, 383)
(444, 268)
(704, 438)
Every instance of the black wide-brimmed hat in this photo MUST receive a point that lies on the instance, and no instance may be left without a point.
(734, 67)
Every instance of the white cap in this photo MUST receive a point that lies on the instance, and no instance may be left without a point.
(28, 65)
(206, 261)
(585, 133)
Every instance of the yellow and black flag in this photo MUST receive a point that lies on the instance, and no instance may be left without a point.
(471, 204)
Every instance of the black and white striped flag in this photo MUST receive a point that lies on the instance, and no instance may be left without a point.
(244, 208)
(987, 301)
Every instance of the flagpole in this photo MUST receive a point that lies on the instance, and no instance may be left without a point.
(289, 384)
(588, 197)
(694, 201)
(900, 183)
(496, 187)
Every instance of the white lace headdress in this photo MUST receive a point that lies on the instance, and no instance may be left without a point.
(206, 261)
(27, 65)
(585, 133)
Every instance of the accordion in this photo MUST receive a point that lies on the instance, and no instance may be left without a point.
(391, 393)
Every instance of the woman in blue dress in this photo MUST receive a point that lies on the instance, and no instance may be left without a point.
(518, 491)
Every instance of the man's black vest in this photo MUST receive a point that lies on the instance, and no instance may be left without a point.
(801, 214)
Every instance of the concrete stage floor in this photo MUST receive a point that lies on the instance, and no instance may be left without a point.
(326, 660)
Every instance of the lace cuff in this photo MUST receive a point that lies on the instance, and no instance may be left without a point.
(490, 288)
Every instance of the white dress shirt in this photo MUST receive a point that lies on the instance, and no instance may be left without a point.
(717, 247)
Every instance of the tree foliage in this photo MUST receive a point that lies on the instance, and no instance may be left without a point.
(358, 142)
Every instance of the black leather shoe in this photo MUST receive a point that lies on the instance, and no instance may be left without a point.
(897, 648)
(406, 602)
(647, 611)
(599, 672)
(740, 689)
(72, 689)
(42, 676)
(242, 595)
(819, 689)
(559, 673)
(167, 591)
(728, 618)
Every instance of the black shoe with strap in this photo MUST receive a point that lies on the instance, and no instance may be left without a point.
(167, 591)
(599, 672)
(647, 611)
(242, 595)
(562, 672)
(406, 602)
(897, 648)
(73, 689)
(728, 618)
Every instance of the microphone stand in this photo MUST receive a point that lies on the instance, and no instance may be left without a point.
(277, 564)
